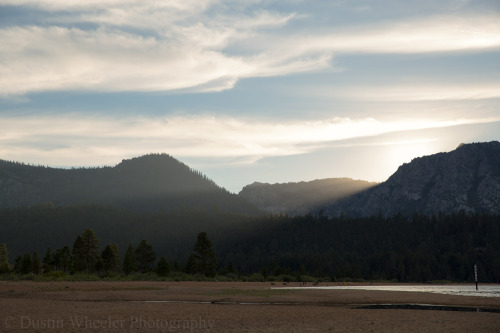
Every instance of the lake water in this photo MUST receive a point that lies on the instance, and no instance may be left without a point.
(462, 290)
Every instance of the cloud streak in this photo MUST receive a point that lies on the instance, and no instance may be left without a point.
(80, 140)
(434, 34)
(411, 92)
(178, 45)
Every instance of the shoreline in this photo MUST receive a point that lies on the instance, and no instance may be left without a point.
(230, 307)
(486, 290)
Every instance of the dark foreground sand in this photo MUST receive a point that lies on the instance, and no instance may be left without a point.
(227, 307)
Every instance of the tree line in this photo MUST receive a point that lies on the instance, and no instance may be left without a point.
(413, 248)
(85, 256)
(399, 248)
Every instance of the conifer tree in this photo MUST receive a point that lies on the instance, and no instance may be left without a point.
(26, 265)
(5, 267)
(85, 251)
(191, 265)
(145, 256)
(36, 265)
(62, 259)
(129, 261)
(91, 248)
(47, 262)
(78, 255)
(163, 268)
(17, 264)
(204, 255)
(111, 258)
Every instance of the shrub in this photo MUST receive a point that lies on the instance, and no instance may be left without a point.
(256, 277)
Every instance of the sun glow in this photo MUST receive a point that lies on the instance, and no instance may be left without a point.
(404, 151)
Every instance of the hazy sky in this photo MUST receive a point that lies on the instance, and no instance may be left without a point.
(248, 90)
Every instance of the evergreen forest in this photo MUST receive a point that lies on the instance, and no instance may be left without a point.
(195, 243)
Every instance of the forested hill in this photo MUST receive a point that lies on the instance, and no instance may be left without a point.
(301, 198)
(467, 178)
(416, 249)
(151, 182)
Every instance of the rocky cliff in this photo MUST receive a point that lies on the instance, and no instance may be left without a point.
(467, 178)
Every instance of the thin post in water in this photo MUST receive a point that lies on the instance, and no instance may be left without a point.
(475, 275)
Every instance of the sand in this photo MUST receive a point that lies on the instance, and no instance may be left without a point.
(227, 307)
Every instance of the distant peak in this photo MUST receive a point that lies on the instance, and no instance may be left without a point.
(148, 158)
(491, 144)
(257, 184)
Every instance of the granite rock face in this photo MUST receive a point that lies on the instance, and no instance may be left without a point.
(467, 178)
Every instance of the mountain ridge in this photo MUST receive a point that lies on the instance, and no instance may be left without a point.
(467, 178)
(300, 198)
(149, 182)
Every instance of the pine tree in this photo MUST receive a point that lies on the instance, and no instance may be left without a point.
(163, 268)
(91, 248)
(5, 267)
(26, 265)
(78, 255)
(36, 265)
(85, 251)
(99, 265)
(129, 261)
(62, 259)
(145, 256)
(191, 265)
(47, 262)
(18, 264)
(204, 255)
(111, 258)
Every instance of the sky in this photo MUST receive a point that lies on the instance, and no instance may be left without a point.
(248, 90)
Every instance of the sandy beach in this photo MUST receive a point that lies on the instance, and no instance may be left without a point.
(27, 306)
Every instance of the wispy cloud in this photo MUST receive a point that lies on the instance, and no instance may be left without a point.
(423, 35)
(84, 140)
(411, 92)
(198, 45)
(37, 59)
(92, 5)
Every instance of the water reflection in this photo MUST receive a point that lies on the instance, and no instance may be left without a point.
(461, 290)
(427, 307)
